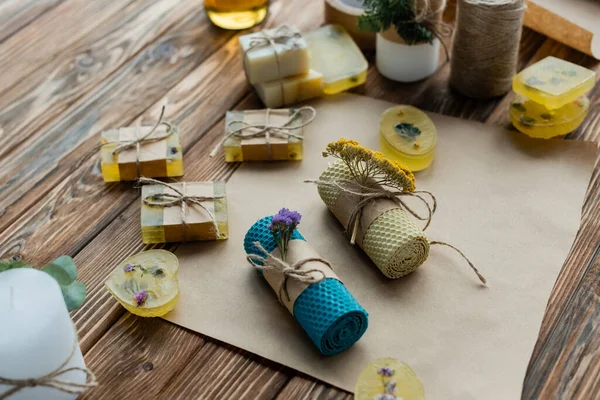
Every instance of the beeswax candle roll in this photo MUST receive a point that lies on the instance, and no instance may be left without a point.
(261, 62)
(295, 89)
(387, 233)
(326, 310)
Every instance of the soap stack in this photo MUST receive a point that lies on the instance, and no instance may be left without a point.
(285, 67)
(552, 98)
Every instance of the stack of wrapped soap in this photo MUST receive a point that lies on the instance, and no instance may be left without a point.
(285, 67)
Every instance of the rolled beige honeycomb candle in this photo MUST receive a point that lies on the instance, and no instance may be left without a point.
(386, 232)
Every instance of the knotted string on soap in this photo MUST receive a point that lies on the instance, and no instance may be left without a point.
(53, 380)
(180, 199)
(282, 35)
(268, 130)
(268, 262)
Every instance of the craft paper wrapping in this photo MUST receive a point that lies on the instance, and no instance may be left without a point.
(327, 311)
(257, 149)
(498, 201)
(164, 224)
(575, 23)
(159, 159)
(386, 232)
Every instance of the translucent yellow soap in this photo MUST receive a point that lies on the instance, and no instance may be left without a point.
(295, 89)
(388, 378)
(146, 284)
(334, 54)
(408, 135)
(537, 121)
(553, 82)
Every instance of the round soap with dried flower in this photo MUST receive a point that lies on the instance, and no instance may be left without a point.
(408, 135)
(146, 283)
(388, 379)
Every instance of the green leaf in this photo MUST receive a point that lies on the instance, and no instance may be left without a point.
(74, 295)
(12, 263)
(68, 265)
(58, 272)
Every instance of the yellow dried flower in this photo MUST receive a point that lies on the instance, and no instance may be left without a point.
(370, 166)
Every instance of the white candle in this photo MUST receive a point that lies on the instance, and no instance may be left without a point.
(36, 335)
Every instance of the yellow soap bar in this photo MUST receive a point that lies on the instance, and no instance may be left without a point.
(408, 135)
(158, 159)
(146, 284)
(537, 121)
(553, 82)
(263, 65)
(257, 149)
(335, 55)
(295, 89)
(388, 378)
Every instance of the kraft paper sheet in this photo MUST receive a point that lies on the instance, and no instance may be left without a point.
(575, 23)
(511, 203)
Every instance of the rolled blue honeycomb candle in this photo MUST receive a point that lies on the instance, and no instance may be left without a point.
(326, 310)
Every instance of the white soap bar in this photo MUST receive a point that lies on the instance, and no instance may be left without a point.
(261, 63)
(295, 89)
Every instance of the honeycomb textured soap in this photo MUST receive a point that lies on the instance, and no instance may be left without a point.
(554, 83)
(408, 135)
(335, 55)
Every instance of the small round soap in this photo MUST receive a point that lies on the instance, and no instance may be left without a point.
(146, 283)
(535, 120)
(388, 378)
(408, 135)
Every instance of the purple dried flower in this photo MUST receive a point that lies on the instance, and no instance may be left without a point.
(140, 297)
(128, 268)
(174, 150)
(285, 217)
(385, 371)
(390, 387)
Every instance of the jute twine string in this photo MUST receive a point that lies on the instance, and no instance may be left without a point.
(179, 199)
(268, 262)
(53, 380)
(268, 130)
(486, 46)
(282, 35)
(369, 194)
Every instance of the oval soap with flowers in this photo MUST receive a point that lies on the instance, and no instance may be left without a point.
(366, 192)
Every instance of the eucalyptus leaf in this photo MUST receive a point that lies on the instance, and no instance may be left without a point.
(58, 272)
(12, 263)
(68, 265)
(74, 295)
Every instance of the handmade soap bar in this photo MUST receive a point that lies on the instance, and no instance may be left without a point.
(274, 54)
(291, 90)
(553, 82)
(334, 54)
(535, 120)
(246, 134)
(146, 283)
(129, 153)
(179, 212)
(388, 378)
(408, 135)
(326, 310)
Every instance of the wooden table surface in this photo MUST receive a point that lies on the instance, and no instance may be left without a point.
(72, 68)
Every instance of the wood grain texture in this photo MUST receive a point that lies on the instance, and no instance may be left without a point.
(16, 14)
(120, 70)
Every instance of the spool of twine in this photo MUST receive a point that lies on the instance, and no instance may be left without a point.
(485, 49)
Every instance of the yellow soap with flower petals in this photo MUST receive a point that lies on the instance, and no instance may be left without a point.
(388, 378)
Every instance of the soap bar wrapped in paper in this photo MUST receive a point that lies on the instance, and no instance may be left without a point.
(313, 293)
(260, 135)
(179, 212)
(274, 54)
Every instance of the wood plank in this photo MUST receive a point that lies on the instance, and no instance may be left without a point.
(16, 14)
(38, 42)
(31, 103)
(121, 98)
(305, 388)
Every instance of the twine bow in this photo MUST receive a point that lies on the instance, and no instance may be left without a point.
(268, 130)
(53, 379)
(179, 198)
(268, 262)
(282, 35)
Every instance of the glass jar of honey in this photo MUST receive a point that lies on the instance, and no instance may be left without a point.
(236, 14)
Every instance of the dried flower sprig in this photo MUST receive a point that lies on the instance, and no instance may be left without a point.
(282, 226)
(389, 385)
(371, 167)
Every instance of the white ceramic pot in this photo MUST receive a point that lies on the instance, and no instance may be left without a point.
(404, 63)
